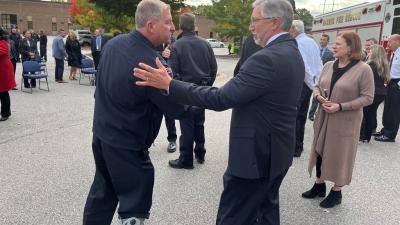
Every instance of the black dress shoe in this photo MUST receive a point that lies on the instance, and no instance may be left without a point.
(334, 198)
(316, 190)
(200, 160)
(383, 138)
(4, 118)
(178, 164)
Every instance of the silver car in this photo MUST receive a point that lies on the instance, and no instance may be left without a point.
(215, 43)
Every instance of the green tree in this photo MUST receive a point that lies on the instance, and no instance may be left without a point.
(232, 17)
(305, 16)
(122, 8)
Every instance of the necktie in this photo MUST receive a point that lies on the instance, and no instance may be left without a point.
(391, 61)
(98, 43)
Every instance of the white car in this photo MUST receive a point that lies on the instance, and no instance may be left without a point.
(215, 43)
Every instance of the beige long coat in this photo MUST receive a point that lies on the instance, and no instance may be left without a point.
(336, 135)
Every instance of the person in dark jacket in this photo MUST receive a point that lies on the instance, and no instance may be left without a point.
(43, 45)
(192, 60)
(264, 97)
(73, 49)
(126, 121)
(378, 62)
(16, 37)
(35, 36)
(13, 54)
(28, 49)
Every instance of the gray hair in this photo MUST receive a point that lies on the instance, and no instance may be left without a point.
(187, 21)
(298, 25)
(277, 8)
(148, 10)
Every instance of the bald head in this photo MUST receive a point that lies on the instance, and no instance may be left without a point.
(394, 42)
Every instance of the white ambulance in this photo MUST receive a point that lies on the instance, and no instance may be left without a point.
(376, 20)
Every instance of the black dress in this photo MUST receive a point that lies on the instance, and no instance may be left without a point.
(73, 49)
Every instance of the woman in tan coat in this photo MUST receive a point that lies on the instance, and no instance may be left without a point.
(346, 85)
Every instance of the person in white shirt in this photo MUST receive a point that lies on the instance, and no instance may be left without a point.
(391, 111)
(313, 66)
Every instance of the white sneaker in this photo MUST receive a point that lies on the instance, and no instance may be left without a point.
(131, 221)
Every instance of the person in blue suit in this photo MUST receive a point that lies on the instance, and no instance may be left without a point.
(264, 96)
(126, 121)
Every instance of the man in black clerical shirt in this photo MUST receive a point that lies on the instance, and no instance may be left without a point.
(126, 121)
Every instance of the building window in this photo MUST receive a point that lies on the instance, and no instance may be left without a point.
(7, 20)
(54, 26)
(211, 35)
(30, 24)
(396, 2)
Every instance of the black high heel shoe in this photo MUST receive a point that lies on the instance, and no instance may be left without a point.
(317, 190)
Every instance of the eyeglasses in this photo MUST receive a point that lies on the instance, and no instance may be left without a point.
(253, 20)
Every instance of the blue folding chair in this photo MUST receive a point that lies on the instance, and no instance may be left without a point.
(32, 70)
(43, 66)
(87, 69)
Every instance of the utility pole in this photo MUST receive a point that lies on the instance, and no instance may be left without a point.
(328, 4)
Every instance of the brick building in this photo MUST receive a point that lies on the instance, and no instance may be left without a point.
(35, 14)
(204, 26)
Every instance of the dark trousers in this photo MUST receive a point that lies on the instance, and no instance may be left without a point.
(313, 108)
(5, 104)
(122, 176)
(318, 166)
(170, 124)
(192, 130)
(28, 84)
(43, 52)
(391, 111)
(369, 123)
(59, 69)
(301, 119)
(249, 201)
(14, 63)
(96, 59)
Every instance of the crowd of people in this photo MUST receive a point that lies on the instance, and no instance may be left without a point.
(270, 100)
(17, 48)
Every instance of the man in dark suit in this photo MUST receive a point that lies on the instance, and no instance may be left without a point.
(192, 60)
(326, 56)
(28, 49)
(97, 44)
(43, 45)
(126, 121)
(264, 96)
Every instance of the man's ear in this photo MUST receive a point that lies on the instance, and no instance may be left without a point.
(150, 26)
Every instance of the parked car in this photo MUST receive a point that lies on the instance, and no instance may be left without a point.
(215, 43)
(84, 37)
